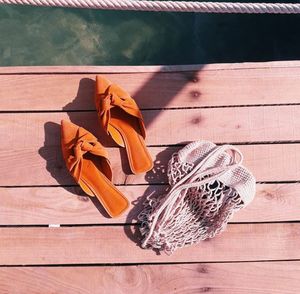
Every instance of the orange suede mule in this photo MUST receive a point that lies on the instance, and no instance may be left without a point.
(121, 118)
(87, 161)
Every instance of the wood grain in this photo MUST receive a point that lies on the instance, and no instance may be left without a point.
(113, 244)
(45, 166)
(201, 86)
(238, 278)
(180, 103)
(58, 205)
(222, 125)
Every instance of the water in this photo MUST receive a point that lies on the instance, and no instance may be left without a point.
(56, 36)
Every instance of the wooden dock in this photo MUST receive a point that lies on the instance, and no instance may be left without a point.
(54, 239)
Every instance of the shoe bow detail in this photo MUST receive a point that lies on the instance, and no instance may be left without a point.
(85, 142)
(110, 96)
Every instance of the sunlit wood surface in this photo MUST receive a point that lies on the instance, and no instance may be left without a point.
(255, 106)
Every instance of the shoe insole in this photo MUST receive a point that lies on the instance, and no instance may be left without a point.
(113, 201)
(139, 158)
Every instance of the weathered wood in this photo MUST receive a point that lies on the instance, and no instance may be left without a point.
(73, 245)
(238, 278)
(222, 125)
(69, 205)
(71, 88)
(45, 166)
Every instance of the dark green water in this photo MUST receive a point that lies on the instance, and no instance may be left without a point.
(54, 36)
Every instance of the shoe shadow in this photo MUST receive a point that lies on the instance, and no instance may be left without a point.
(51, 151)
(55, 165)
(81, 111)
(84, 99)
(157, 185)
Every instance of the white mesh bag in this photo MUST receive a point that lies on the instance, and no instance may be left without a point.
(207, 185)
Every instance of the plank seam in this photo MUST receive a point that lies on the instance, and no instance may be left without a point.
(128, 185)
(70, 186)
(134, 224)
(147, 263)
(154, 109)
(231, 143)
(280, 142)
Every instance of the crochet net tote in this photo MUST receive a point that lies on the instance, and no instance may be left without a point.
(207, 185)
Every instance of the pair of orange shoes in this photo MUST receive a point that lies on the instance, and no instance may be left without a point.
(87, 160)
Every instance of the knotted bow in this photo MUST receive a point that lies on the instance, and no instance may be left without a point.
(114, 96)
(84, 143)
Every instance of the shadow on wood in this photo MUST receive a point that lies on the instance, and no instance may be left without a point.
(158, 172)
(84, 101)
(55, 164)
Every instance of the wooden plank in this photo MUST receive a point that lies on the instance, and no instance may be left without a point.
(144, 68)
(113, 244)
(220, 125)
(45, 166)
(255, 278)
(58, 205)
(121, 69)
(229, 86)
